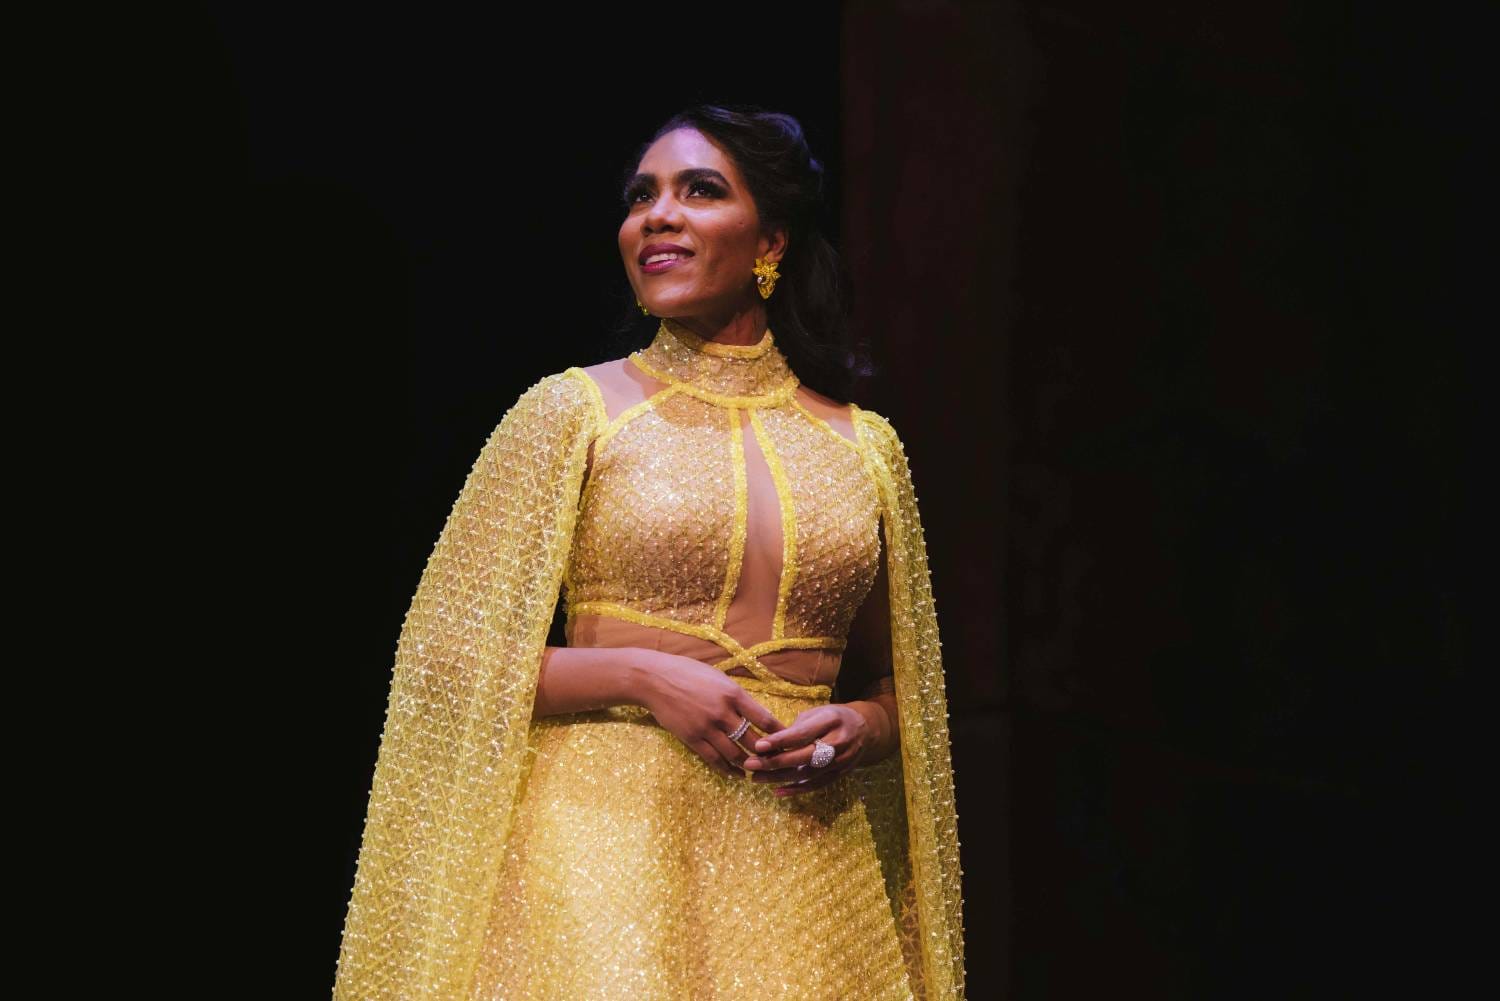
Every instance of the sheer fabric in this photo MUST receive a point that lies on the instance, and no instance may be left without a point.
(720, 506)
(593, 855)
(751, 613)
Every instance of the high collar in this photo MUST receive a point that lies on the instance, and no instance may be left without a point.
(735, 374)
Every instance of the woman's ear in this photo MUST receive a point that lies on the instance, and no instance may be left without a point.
(773, 244)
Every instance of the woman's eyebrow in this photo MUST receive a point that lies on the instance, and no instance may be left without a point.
(683, 176)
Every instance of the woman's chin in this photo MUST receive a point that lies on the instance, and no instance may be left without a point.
(670, 307)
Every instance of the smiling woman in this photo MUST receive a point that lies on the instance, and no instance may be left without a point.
(692, 236)
(647, 811)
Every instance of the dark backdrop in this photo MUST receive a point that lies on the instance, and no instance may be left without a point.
(1169, 303)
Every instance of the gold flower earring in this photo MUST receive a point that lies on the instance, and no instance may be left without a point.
(642, 305)
(765, 276)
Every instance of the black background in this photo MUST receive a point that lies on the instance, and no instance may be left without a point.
(1186, 381)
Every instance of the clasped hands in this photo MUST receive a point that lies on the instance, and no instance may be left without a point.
(701, 705)
(786, 755)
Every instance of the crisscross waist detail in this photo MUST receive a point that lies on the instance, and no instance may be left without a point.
(739, 655)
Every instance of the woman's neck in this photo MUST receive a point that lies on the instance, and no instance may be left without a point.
(744, 326)
(757, 372)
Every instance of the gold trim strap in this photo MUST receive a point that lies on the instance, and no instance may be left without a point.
(789, 567)
(819, 693)
(629, 414)
(866, 454)
(774, 398)
(741, 526)
(719, 348)
(740, 655)
(596, 397)
(823, 423)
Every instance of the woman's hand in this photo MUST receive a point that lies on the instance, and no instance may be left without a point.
(786, 756)
(702, 706)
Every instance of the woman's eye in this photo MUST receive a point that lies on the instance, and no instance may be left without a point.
(708, 188)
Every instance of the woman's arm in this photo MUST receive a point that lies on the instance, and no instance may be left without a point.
(578, 679)
(867, 664)
(878, 707)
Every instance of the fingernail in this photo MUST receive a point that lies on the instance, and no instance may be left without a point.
(752, 762)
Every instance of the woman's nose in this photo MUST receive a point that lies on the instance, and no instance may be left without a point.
(664, 213)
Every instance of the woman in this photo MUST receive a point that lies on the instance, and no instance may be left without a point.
(672, 805)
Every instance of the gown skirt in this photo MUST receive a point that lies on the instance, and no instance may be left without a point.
(634, 871)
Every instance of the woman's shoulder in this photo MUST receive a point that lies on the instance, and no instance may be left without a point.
(839, 416)
(570, 392)
(602, 390)
(620, 385)
(611, 377)
(875, 427)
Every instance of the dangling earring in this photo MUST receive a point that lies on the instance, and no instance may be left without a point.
(765, 276)
(642, 305)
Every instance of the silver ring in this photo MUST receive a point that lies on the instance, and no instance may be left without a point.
(739, 731)
(822, 754)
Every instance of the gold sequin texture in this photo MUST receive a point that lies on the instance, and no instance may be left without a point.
(593, 855)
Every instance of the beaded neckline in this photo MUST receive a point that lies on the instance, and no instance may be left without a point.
(730, 374)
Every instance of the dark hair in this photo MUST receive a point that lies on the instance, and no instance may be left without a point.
(809, 311)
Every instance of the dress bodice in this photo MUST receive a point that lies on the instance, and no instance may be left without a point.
(725, 517)
(665, 534)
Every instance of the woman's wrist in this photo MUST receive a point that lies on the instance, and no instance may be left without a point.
(639, 676)
(883, 733)
(580, 679)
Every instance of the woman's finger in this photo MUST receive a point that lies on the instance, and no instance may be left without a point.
(733, 755)
(716, 755)
(748, 713)
(806, 728)
(801, 768)
(746, 740)
(760, 718)
(789, 764)
(815, 778)
(800, 754)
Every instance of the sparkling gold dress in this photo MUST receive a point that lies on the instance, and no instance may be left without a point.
(694, 500)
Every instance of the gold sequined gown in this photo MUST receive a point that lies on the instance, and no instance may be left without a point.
(694, 499)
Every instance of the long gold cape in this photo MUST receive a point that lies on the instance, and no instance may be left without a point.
(453, 750)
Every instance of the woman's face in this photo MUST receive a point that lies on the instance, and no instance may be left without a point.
(687, 198)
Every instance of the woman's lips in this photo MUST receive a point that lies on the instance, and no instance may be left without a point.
(657, 267)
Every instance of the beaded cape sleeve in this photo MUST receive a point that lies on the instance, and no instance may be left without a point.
(909, 797)
(452, 751)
